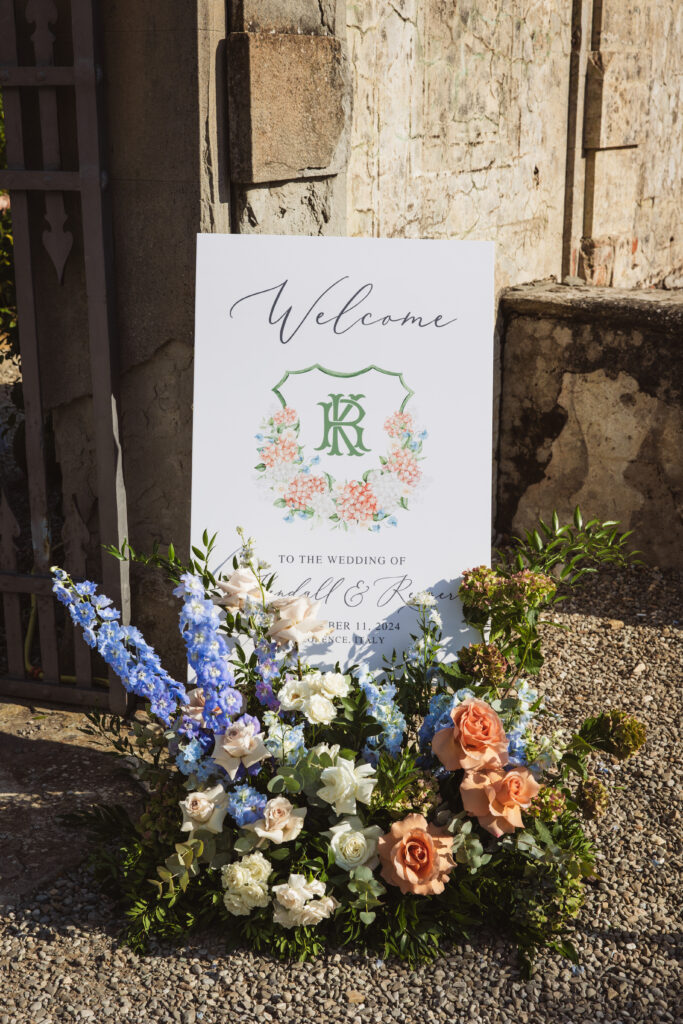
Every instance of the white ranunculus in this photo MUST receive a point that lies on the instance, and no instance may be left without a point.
(239, 744)
(295, 902)
(319, 710)
(258, 866)
(236, 903)
(310, 913)
(246, 885)
(242, 588)
(293, 694)
(204, 810)
(353, 845)
(281, 821)
(292, 893)
(344, 784)
(334, 685)
(314, 912)
(297, 621)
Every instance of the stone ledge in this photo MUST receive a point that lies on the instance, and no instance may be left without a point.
(652, 308)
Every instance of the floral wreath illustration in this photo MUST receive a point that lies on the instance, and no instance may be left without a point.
(371, 501)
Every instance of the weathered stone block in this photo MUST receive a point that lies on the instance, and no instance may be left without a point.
(287, 98)
(616, 100)
(592, 411)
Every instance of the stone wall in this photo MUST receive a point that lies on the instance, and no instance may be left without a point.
(592, 411)
(553, 129)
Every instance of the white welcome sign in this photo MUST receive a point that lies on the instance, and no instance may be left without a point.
(342, 416)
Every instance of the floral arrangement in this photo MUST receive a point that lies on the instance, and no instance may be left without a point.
(371, 502)
(394, 810)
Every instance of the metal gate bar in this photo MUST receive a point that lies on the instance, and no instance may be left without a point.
(90, 182)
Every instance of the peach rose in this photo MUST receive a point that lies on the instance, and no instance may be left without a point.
(416, 856)
(497, 798)
(477, 739)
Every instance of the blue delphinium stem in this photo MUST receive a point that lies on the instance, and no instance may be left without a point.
(123, 648)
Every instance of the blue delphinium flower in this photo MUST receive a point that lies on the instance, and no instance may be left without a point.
(387, 713)
(246, 805)
(208, 654)
(123, 648)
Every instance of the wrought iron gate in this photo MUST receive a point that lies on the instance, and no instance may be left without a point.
(83, 79)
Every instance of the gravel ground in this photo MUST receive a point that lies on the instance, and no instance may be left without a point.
(59, 960)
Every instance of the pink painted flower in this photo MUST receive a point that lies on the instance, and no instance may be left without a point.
(284, 449)
(398, 423)
(404, 464)
(356, 503)
(302, 489)
(286, 416)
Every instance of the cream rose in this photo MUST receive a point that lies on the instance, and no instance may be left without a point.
(281, 821)
(354, 845)
(311, 913)
(319, 710)
(194, 709)
(297, 621)
(242, 587)
(344, 784)
(204, 810)
(239, 744)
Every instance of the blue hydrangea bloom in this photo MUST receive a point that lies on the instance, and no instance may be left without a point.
(388, 714)
(246, 805)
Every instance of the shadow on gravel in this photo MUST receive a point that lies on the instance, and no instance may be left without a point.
(40, 781)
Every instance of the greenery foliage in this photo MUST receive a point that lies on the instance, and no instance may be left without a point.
(527, 883)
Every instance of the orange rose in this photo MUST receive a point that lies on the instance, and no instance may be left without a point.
(477, 739)
(497, 798)
(416, 856)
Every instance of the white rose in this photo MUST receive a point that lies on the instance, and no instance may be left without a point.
(239, 744)
(292, 893)
(242, 587)
(281, 821)
(354, 845)
(334, 684)
(293, 694)
(204, 810)
(297, 621)
(344, 784)
(319, 710)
